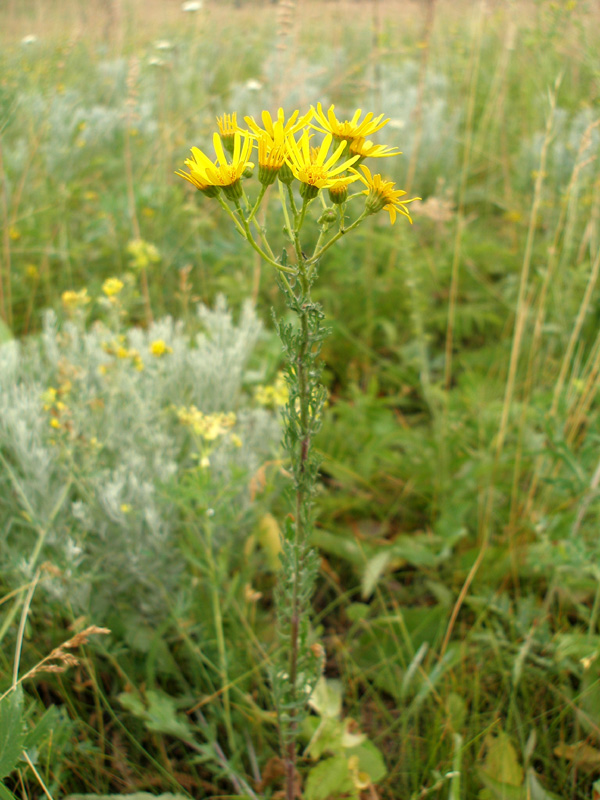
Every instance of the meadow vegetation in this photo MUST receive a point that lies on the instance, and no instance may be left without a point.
(142, 482)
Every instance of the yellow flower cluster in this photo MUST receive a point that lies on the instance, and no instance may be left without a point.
(73, 300)
(112, 286)
(119, 350)
(276, 395)
(209, 428)
(159, 348)
(142, 253)
(52, 402)
(285, 151)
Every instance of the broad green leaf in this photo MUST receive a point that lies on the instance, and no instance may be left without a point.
(415, 552)
(329, 778)
(326, 699)
(327, 738)
(370, 760)
(133, 702)
(340, 546)
(6, 794)
(496, 790)
(160, 715)
(357, 611)
(12, 732)
(501, 773)
(501, 761)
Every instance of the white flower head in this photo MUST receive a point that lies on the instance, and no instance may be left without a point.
(253, 85)
(30, 39)
(191, 6)
(163, 44)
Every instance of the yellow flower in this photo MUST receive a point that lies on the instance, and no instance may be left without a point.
(271, 158)
(338, 191)
(382, 195)
(228, 127)
(208, 426)
(348, 130)
(209, 176)
(278, 130)
(54, 423)
(125, 508)
(366, 149)
(276, 395)
(142, 254)
(49, 398)
(72, 300)
(112, 286)
(316, 172)
(159, 348)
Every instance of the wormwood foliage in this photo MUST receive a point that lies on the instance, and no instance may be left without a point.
(92, 438)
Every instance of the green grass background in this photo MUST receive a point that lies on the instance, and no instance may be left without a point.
(458, 517)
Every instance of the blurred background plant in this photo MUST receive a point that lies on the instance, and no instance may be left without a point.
(457, 520)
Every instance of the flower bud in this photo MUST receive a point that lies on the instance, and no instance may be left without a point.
(233, 191)
(308, 191)
(328, 217)
(286, 175)
(338, 194)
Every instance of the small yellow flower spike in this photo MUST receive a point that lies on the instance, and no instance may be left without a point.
(209, 176)
(316, 172)
(348, 130)
(382, 195)
(112, 286)
(279, 129)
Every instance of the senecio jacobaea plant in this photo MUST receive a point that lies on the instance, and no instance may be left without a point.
(322, 158)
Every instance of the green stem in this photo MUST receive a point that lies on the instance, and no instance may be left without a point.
(305, 205)
(300, 531)
(236, 222)
(316, 256)
(292, 201)
(244, 229)
(218, 619)
(261, 194)
(288, 224)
